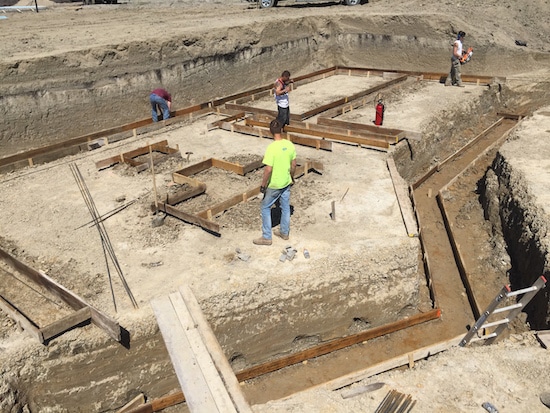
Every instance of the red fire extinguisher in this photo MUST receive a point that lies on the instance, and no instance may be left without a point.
(379, 113)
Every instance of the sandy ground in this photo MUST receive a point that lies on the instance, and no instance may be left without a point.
(156, 261)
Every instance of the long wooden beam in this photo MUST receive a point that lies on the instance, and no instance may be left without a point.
(245, 196)
(268, 112)
(337, 344)
(190, 218)
(319, 350)
(332, 130)
(355, 96)
(27, 324)
(174, 199)
(358, 71)
(396, 134)
(111, 327)
(232, 118)
(263, 133)
(359, 140)
(127, 157)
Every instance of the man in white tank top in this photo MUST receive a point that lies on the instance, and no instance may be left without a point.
(454, 78)
(281, 89)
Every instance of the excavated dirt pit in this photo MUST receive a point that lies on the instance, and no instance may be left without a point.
(364, 269)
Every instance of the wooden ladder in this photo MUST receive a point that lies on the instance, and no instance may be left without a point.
(493, 308)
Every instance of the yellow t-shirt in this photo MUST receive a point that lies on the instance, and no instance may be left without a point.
(279, 155)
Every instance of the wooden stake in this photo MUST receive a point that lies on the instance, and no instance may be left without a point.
(154, 180)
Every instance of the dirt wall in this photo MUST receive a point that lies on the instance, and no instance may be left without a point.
(525, 229)
(49, 99)
(274, 320)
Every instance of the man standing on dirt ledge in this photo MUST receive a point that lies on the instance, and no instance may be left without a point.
(454, 77)
(278, 177)
(281, 97)
(160, 99)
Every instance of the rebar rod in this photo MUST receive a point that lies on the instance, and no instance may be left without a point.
(101, 229)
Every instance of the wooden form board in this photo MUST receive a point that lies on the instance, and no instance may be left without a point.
(204, 218)
(340, 102)
(338, 128)
(323, 108)
(217, 163)
(128, 157)
(230, 118)
(403, 360)
(84, 311)
(301, 169)
(307, 354)
(403, 199)
(397, 134)
(324, 133)
(205, 376)
(312, 142)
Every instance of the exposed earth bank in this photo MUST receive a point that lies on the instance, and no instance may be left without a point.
(70, 70)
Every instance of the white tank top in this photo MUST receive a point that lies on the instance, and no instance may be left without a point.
(282, 100)
(459, 49)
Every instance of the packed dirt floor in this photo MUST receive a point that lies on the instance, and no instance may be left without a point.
(71, 70)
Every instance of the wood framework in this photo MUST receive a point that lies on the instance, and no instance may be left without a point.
(474, 302)
(82, 143)
(83, 311)
(204, 218)
(129, 157)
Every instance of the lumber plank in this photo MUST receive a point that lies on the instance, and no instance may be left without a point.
(395, 362)
(252, 166)
(216, 124)
(66, 323)
(184, 179)
(359, 140)
(228, 203)
(111, 327)
(188, 369)
(354, 126)
(250, 109)
(324, 130)
(474, 302)
(254, 131)
(215, 350)
(135, 402)
(203, 354)
(403, 199)
(25, 323)
(337, 344)
(174, 199)
(190, 218)
(196, 168)
(227, 166)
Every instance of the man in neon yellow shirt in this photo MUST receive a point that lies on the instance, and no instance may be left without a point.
(278, 177)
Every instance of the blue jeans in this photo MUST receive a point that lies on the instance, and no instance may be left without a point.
(158, 102)
(270, 197)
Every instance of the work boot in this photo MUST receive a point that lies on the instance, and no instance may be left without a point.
(460, 85)
(448, 82)
(262, 241)
(278, 233)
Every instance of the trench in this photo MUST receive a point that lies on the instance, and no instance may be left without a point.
(526, 248)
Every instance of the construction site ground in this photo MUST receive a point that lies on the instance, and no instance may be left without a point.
(46, 224)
